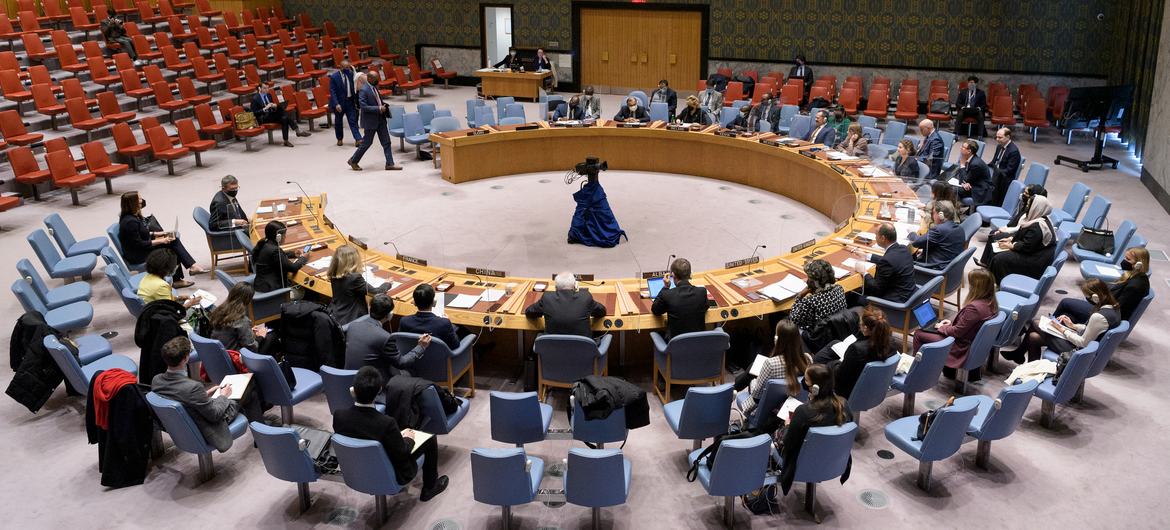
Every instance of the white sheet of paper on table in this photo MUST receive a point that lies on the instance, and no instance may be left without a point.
(839, 273)
(851, 264)
(793, 283)
(776, 292)
(322, 263)
(464, 301)
(264, 209)
(492, 295)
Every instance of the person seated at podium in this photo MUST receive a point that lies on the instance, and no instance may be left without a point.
(972, 104)
(684, 305)
(767, 111)
(632, 112)
(822, 132)
(893, 277)
(570, 111)
(591, 104)
(665, 94)
(568, 309)
(693, 113)
(743, 119)
(272, 266)
(944, 240)
(711, 99)
(906, 165)
(426, 322)
(820, 299)
(512, 60)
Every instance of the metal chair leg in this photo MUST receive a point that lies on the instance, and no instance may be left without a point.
(380, 508)
(810, 498)
(170, 167)
(506, 515)
(908, 404)
(198, 160)
(729, 511)
(303, 493)
(206, 468)
(1047, 414)
(286, 415)
(982, 453)
(924, 469)
(596, 518)
(698, 444)
(1080, 395)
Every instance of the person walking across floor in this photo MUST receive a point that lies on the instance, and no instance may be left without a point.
(373, 118)
(343, 102)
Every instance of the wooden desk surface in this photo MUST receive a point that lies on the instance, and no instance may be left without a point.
(846, 195)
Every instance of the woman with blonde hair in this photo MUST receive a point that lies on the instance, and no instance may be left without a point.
(349, 287)
(979, 307)
(1073, 335)
(1129, 289)
(855, 142)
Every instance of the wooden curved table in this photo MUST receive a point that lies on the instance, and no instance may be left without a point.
(836, 189)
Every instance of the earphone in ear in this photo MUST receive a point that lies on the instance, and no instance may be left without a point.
(1137, 266)
(814, 390)
(1094, 298)
(352, 393)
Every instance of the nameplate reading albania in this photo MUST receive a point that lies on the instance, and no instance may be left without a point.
(486, 272)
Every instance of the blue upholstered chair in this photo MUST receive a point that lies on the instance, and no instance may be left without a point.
(434, 419)
(216, 361)
(1017, 318)
(787, 112)
(775, 393)
(659, 111)
(65, 318)
(980, 350)
(799, 126)
(901, 314)
(871, 134)
(867, 121)
(971, 225)
(511, 121)
(727, 116)
(56, 297)
(219, 242)
(484, 116)
(738, 469)
(942, 440)
(1121, 237)
(395, 125)
(1140, 309)
(1011, 201)
(515, 110)
(703, 413)
(265, 306)
(824, 455)
(93, 357)
(439, 363)
(441, 124)
(473, 104)
(1061, 392)
(563, 359)
(952, 276)
(924, 373)
(134, 303)
(872, 386)
(505, 478)
(426, 111)
(1021, 286)
(518, 417)
(57, 266)
(1110, 271)
(177, 422)
(599, 431)
(502, 103)
(274, 389)
(996, 419)
(1094, 217)
(284, 459)
(414, 132)
(642, 99)
(597, 478)
(1074, 202)
(365, 468)
(689, 359)
(69, 245)
(1106, 346)
(335, 383)
(1037, 175)
(895, 131)
(111, 257)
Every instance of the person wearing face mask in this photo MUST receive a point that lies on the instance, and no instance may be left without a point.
(1030, 248)
(802, 71)
(512, 60)
(767, 111)
(841, 123)
(693, 113)
(343, 101)
(1103, 316)
(272, 266)
(138, 238)
(632, 112)
(972, 104)
(711, 99)
(571, 111)
(665, 94)
(225, 210)
(591, 104)
(1129, 289)
(742, 118)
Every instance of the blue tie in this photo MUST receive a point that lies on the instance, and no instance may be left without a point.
(264, 98)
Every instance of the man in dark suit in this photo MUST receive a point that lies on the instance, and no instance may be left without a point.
(974, 176)
(364, 422)
(225, 210)
(211, 409)
(343, 101)
(1005, 165)
(665, 94)
(822, 132)
(567, 310)
(802, 71)
(931, 149)
(573, 110)
(374, 114)
(512, 60)
(633, 111)
(943, 242)
(972, 103)
(893, 277)
(368, 342)
(684, 305)
(767, 111)
(424, 321)
(268, 110)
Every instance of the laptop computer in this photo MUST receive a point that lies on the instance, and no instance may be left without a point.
(925, 315)
(655, 286)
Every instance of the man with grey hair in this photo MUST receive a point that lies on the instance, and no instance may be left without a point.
(225, 210)
(373, 119)
(568, 309)
(943, 242)
(930, 149)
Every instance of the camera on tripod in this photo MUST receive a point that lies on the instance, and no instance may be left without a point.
(591, 166)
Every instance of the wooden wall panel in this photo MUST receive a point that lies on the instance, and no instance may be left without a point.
(618, 50)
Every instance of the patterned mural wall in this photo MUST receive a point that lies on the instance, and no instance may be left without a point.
(1049, 36)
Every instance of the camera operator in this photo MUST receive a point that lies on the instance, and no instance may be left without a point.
(115, 34)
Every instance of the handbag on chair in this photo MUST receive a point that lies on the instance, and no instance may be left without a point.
(1099, 240)
(244, 120)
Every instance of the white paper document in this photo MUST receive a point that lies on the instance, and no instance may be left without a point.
(904, 363)
(491, 295)
(440, 309)
(1107, 272)
(239, 384)
(777, 292)
(757, 365)
(264, 209)
(851, 264)
(322, 263)
(839, 273)
(463, 301)
(954, 182)
(840, 347)
(206, 299)
(793, 283)
(371, 279)
(789, 406)
(1052, 327)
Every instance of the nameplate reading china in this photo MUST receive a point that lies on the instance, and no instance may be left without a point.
(486, 272)
(741, 262)
(411, 259)
(801, 246)
(654, 274)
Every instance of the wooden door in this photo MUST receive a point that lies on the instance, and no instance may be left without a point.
(632, 49)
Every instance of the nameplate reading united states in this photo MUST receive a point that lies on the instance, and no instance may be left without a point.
(411, 259)
(801, 246)
(741, 262)
(486, 272)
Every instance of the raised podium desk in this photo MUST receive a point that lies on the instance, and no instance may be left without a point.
(508, 83)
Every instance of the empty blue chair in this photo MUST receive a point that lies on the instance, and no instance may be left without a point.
(427, 112)
(94, 355)
(502, 103)
(442, 112)
(1011, 200)
(996, 419)
(924, 373)
(284, 459)
(518, 417)
(971, 225)
(216, 361)
(872, 386)
(434, 419)
(563, 359)
(1024, 286)
(441, 124)
(265, 306)
(895, 131)
(598, 431)
(177, 422)
(1061, 392)
(52, 298)
(365, 468)
(112, 257)
(941, 441)
(505, 478)
(948, 139)
(738, 469)
(800, 126)
(597, 478)
(784, 124)
(439, 363)
(57, 266)
(1121, 238)
(878, 153)
(703, 413)
(414, 133)
(274, 389)
(65, 318)
(689, 359)
(484, 116)
(1108, 344)
(395, 126)
(901, 314)
(1073, 203)
(824, 455)
(511, 121)
(1037, 175)
(980, 350)
(871, 134)
(515, 110)
(867, 121)
(473, 104)
(1094, 217)
(659, 111)
(70, 246)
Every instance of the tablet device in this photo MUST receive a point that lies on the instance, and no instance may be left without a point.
(925, 314)
(655, 285)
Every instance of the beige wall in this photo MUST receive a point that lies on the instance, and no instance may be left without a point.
(1156, 159)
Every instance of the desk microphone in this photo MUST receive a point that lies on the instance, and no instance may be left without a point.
(397, 254)
(669, 261)
(755, 252)
(308, 203)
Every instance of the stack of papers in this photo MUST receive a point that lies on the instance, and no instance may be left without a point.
(757, 365)
(839, 273)
(851, 264)
(463, 301)
(264, 209)
(840, 347)
(206, 299)
(322, 263)
(784, 289)
(492, 295)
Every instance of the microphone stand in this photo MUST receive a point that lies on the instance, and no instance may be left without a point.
(308, 203)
